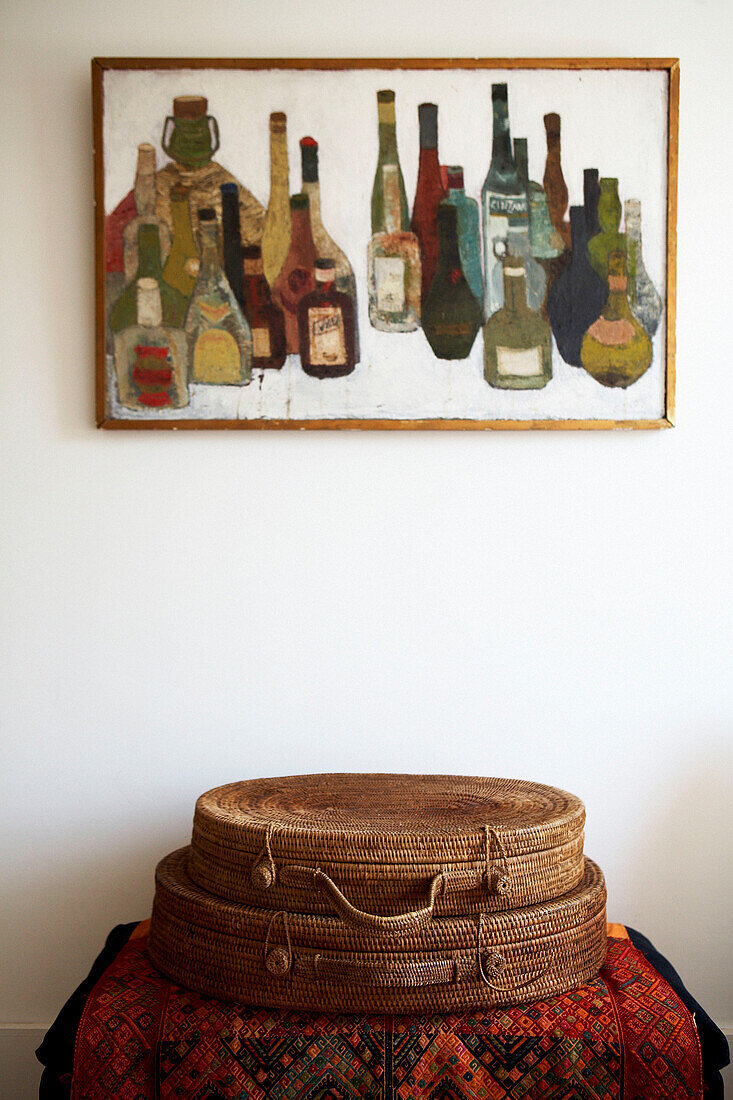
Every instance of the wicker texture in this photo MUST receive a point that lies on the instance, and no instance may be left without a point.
(380, 841)
(304, 961)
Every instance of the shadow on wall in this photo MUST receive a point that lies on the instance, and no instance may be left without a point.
(681, 870)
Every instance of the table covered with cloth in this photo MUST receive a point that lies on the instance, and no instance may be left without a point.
(633, 1032)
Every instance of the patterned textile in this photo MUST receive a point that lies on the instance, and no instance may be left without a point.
(625, 1035)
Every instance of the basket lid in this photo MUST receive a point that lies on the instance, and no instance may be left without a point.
(388, 818)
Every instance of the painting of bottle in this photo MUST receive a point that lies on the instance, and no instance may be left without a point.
(616, 350)
(451, 314)
(219, 338)
(151, 358)
(517, 340)
(393, 265)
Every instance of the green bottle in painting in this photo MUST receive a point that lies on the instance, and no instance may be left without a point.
(616, 350)
(387, 156)
(190, 135)
(182, 265)
(451, 313)
(609, 218)
(173, 304)
(517, 341)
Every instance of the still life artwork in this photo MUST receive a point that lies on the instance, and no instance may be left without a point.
(385, 244)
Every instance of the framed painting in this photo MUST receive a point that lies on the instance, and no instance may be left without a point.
(385, 243)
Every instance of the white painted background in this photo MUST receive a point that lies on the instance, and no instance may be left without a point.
(184, 609)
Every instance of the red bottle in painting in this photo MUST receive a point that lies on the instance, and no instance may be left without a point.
(265, 318)
(296, 275)
(326, 327)
(428, 194)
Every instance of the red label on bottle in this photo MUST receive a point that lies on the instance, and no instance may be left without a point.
(148, 376)
(153, 351)
(154, 400)
(152, 375)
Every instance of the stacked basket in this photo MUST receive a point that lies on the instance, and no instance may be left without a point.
(393, 893)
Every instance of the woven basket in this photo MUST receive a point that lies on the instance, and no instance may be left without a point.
(371, 846)
(302, 961)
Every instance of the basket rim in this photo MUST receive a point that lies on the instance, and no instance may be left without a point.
(555, 811)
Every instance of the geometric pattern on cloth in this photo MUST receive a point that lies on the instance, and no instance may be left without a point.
(661, 1057)
(624, 1036)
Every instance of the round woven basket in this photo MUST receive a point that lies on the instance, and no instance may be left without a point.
(305, 961)
(370, 845)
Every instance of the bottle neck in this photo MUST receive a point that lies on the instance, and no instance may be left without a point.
(387, 126)
(209, 248)
(392, 207)
(553, 147)
(144, 189)
(632, 220)
(148, 253)
(591, 191)
(387, 140)
(609, 209)
(617, 305)
(230, 222)
(301, 238)
(324, 286)
(578, 236)
(449, 254)
(313, 190)
(279, 172)
(515, 290)
(145, 195)
(181, 219)
(429, 166)
(501, 143)
(522, 162)
(149, 306)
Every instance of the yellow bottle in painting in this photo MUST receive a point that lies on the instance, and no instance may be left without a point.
(615, 350)
(219, 337)
(276, 232)
(216, 358)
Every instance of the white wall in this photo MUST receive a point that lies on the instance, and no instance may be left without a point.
(185, 609)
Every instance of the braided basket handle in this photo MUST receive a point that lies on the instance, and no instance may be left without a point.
(386, 974)
(370, 922)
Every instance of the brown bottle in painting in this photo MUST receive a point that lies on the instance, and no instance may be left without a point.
(296, 276)
(265, 318)
(428, 195)
(326, 327)
(553, 179)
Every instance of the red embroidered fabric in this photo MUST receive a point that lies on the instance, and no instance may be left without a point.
(626, 1035)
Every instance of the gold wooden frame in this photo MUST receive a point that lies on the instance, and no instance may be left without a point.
(671, 65)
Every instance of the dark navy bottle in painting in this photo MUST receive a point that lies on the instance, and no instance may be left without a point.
(232, 239)
(577, 297)
(451, 313)
(591, 194)
(469, 234)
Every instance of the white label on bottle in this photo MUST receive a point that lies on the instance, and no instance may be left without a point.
(261, 343)
(327, 336)
(519, 362)
(389, 275)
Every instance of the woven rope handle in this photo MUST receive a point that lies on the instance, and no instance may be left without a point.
(370, 922)
(404, 975)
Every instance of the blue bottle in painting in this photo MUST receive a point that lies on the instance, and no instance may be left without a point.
(469, 238)
(577, 297)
